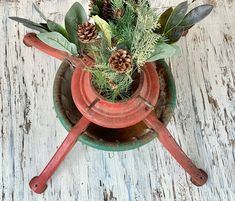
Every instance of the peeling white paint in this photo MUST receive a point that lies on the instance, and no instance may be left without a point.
(203, 123)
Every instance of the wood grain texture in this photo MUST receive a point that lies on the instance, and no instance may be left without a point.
(203, 124)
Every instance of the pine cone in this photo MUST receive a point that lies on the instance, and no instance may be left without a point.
(107, 10)
(118, 13)
(120, 61)
(112, 85)
(87, 32)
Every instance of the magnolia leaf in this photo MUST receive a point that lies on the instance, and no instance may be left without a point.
(176, 16)
(74, 17)
(44, 25)
(30, 24)
(105, 28)
(163, 19)
(53, 26)
(175, 34)
(58, 41)
(25, 21)
(196, 15)
(39, 11)
(177, 50)
(37, 28)
(163, 51)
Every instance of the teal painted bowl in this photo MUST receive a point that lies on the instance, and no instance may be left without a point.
(113, 139)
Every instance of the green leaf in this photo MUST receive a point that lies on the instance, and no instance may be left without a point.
(24, 21)
(53, 26)
(196, 15)
(175, 34)
(74, 17)
(39, 11)
(177, 50)
(37, 28)
(163, 19)
(163, 51)
(176, 16)
(30, 24)
(44, 25)
(105, 29)
(58, 41)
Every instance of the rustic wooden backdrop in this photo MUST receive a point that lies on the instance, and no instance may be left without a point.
(203, 124)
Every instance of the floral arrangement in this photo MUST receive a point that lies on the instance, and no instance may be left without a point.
(121, 35)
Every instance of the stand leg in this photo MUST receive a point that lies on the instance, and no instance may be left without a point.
(198, 176)
(38, 183)
(31, 40)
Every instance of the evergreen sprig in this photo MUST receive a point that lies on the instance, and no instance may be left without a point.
(144, 39)
(133, 27)
(110, 84)
(123, 28)
(117, 4)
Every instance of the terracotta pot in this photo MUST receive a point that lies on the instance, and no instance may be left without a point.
(97, 115)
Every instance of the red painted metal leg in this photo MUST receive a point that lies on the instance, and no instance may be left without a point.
(198, 176)
(31, 40)
(38, 183)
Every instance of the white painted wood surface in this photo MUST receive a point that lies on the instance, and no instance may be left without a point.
(203, 124)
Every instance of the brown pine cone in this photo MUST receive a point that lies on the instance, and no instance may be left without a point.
(87, 33)
(107, 10)
(112, 85)
(120, 61)
(118, 13)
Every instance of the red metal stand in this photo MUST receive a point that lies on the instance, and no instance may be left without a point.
(38, 183)
(198, 176)
(31, 40)
(96, 109)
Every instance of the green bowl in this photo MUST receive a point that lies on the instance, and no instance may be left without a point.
(113, 139)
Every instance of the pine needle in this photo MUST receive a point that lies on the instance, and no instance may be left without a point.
(144, 40)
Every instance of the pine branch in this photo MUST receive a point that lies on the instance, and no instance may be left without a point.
(123, 28)
(145, 39)
(131, 4)
(111, 85)
(133, 31)
(117, 4)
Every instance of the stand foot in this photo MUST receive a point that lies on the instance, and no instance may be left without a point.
(37, 186)
(28, 38)
(200, 179)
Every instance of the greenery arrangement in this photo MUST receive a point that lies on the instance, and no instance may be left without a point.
(121, 35)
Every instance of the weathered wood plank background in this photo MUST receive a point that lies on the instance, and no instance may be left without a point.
(203, 124)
